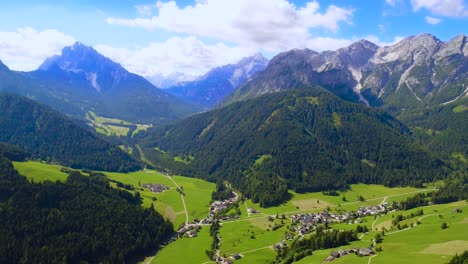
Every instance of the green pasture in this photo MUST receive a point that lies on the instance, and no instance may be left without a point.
(186, 250)
(40, 172)
(197, 195)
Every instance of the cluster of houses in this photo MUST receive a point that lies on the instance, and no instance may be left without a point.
(155, 187)
(363, 252)
(220, 206)
(228, 260)
(189, 231)
(307, 222)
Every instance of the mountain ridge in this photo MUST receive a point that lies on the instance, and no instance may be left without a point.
(417, 71)
(304, 139)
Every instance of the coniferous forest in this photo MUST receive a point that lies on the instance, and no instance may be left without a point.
(81, 220)
(50, 136)
(304, 140)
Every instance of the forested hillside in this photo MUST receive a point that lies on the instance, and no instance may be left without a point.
(443, 128)
(51, 136)
(82, 220)
(305, 140)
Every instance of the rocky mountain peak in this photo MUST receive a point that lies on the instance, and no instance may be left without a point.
(412, 48)
(101, 72)
(456, 45)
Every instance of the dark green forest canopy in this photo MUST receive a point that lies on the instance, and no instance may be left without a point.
(304, 139)
(81, 220)
(51, 136)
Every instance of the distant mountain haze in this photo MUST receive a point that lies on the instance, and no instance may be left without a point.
(210, 89)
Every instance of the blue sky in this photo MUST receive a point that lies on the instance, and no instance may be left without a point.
(192, 36)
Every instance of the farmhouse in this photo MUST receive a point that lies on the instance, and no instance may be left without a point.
(155, 187)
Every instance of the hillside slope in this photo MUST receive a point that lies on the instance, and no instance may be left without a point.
(52, 136)
(306, 140)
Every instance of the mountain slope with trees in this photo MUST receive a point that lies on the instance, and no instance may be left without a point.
(305, 139)
(51, 136)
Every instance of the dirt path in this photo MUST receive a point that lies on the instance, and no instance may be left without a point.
(370, 258)
(181, 197)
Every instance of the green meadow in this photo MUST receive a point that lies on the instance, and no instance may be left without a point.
(253, 235)
(113, 126)
(186, 250)
(373, 195)
(40, 172)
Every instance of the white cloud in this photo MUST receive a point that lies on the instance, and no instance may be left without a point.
(191, 56)
(274, 25)
(26, 48)
(432, 20)
(187, 55)
(449, 8)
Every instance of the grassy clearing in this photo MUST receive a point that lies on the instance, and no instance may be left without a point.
(186, 250)
(451, 247)
(140, 128)
(460, 108)
(243, 236)
(40, 172)
(113, 126)
(197, 195)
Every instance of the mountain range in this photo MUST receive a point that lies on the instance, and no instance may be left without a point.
(81, 80)
(419, 71)
(307, 120)
(210, 89)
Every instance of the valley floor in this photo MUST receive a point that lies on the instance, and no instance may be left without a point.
(252, 235)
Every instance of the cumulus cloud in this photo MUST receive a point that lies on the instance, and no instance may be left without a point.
(26, 48)
(191, 56)
(432, 20)
(188, 55)
(448, 8)
(274, 25)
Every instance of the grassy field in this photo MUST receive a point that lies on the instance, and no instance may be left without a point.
(373, 194)
(40, 172)
(250, 234)
(186, 250)
(113, 126)
(197, 195)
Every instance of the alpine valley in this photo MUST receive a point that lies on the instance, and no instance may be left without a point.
(305, 157)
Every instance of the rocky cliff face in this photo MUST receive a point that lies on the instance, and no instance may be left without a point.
(417, 71)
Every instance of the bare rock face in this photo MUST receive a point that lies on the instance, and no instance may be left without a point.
(417, 71)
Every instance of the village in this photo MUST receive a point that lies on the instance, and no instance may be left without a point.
(306, 222)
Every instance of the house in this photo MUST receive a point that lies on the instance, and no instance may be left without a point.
(334, 254)
(329, 259)
(342, 252)
(364, 252)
